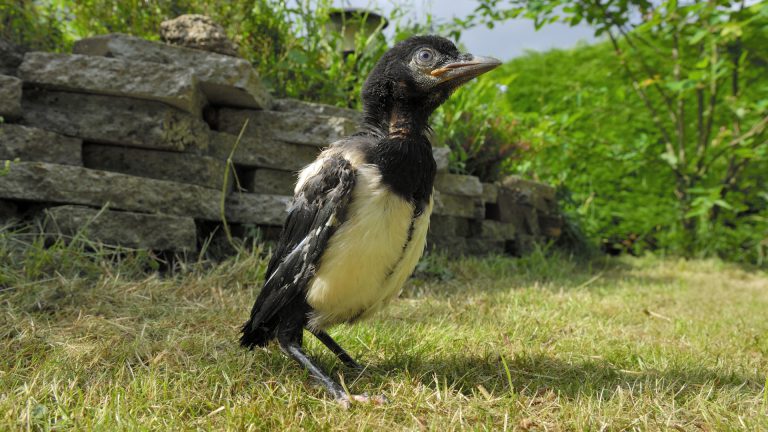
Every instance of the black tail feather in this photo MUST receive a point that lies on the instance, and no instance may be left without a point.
(254, 335)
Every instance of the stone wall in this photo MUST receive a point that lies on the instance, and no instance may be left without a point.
(127, 140)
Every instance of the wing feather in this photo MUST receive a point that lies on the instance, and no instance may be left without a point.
(318, 208)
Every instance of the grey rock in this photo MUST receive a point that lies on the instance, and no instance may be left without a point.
(32, 144)
(258, 209)
(515, 190)
(497, 230)
(453, 246)
(128, 229)
(480, 246)
(198, 32)
(8, 211)
(64, 184)
(523, 244)
(295, 105)
(460, 206)
(162, 165)
(270, 181)
(448, 226)
(461, 246)
(116, 77)
(490, 193)
(10, 97)
(294, 127)
(263, 152)
(551, 226)
(524, 217)
(225, 80)
(457, 184)
(11, 57)
(441, 155)
(111, 120)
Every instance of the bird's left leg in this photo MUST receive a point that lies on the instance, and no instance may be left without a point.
(331, 344)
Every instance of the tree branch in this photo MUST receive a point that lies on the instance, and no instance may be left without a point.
(644, 97)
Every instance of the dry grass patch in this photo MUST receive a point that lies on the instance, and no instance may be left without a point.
(90, 341)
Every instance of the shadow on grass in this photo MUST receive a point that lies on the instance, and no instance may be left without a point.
(547, 271)
(537, 375)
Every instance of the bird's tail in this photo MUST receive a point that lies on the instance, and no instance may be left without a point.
(256, 334)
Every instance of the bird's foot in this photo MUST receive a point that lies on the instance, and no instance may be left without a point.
(346, 400)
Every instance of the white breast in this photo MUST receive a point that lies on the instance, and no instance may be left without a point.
(369, 258)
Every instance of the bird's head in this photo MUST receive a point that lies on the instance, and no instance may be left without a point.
(415, 77)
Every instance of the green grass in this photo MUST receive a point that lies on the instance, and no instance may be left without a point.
(89, 342)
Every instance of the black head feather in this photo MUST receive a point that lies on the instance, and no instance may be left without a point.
(413, 79)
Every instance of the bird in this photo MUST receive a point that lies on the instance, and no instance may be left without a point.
(357, 224)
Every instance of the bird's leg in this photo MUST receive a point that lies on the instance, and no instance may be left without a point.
(331, 344)
(293, 349)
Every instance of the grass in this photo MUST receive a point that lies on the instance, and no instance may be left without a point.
(89, 341)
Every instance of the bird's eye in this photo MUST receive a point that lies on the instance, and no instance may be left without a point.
(425, 56)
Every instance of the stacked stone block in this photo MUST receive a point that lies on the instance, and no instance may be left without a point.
(127, 141)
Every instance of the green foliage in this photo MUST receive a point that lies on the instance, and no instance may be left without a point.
(291, 45)
(659, 134)
(485, 140)
(32, 25)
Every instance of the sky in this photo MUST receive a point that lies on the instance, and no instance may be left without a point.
(505, 41)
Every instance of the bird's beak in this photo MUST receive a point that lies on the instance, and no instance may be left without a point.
(464, 70)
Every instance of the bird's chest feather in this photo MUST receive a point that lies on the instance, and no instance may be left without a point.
(371, 254)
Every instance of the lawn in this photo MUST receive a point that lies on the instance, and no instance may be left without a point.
(540, 343)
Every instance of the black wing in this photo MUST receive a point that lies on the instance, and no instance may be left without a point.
(317, 210)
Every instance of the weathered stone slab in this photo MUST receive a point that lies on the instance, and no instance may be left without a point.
(294, 127)
(10, 97)
(480, 246)
(490, 193)
(162, 165)
(264, 152)
(128, 229)
(199, 32)
(257, 208)
(441, 158)
(448, 226)
(111, 120)
(551, 226)
(32, 144)
(497, 230)
(524, 217)
(461, 246)
(270, 181)
(225, 80)
(295, 105)
(457, 184)
(108, 76)
(64, 184)
(523, 244)
(8, 211)
(455, 205)
(454, 246)
(515, 190)
(11, 57)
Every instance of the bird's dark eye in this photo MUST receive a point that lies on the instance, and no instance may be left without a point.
(425, 56)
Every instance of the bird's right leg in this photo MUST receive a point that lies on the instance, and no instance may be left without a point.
(292, 347)
(331, 344)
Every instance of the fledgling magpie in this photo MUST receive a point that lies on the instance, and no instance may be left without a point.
(358, 222)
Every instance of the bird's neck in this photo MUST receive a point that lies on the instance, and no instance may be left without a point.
(402, 153)
(396, 121)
